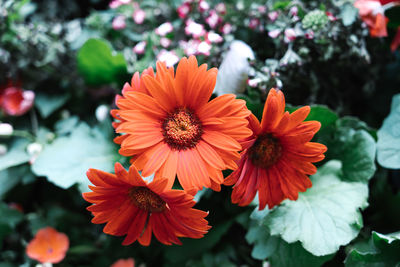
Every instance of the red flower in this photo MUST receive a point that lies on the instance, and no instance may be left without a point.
(396, 41)
(14, 101)
(48, 246)
(132, 207)
(172, 129)
(372, 13)
(124, 263)
(278, 157)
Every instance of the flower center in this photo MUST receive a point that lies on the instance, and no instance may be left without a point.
(182, 129)
(265, 151)
(147, 200)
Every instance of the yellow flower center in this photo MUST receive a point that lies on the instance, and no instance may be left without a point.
(265, 151)
(147, 200)
(182, 129)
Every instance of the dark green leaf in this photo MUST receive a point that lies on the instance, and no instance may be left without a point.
(47, 104)
(16, 154)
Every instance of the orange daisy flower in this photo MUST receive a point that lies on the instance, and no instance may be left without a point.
(124, 263)
(48, 246)
(172, 129)
(278, 157)
(134, 208)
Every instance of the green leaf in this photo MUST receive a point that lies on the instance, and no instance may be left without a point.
(278, 252)
(67, 159)
(348, 14)
(322, 114)
(389, 137)
(381, 250)
(67, 125)
(194, 247)
(8, 220)
(10, 177)
(47, 104)
(99, 64)
(354, 146)
(324, 217)
(16, 154)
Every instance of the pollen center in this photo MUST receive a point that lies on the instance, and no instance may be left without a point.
(146, 199)
(265, 151)
(182, 129)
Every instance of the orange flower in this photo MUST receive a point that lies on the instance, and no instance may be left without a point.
(372, 13)
(48, 246)
(132, 207)
(171, 128)
(279, 155)
(124, 263)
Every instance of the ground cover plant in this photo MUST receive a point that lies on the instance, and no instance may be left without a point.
(199, 133)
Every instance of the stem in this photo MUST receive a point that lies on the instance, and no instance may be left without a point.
(23, 134)
(34, 122)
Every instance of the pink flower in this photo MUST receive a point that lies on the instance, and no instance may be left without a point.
(254, 23)
(139, 15)
(183, 10)
(293, 11)
(330, 16)
(194, 29)
(165, 42)
(221, 8)
(274, 33)
(213, 19)
(372, 13)
(118, 22)
(253, 82)
(290, 35)
(203, 6)
(190, 47)
(115, 4)
(204, 48)
(140, 47)
(273, 15)
(309, 34)
(214, 37)
(16, 102)
(164, 29)
(169, 57)
(262, 9)
(226, 29)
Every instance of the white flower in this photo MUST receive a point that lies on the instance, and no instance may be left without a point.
(194, 29)
(34, 149)
(3, 149)
(138, 16)
(204, 48)
(290, 57)
(119, 23)
(169, 57)
(6, 129)
(139, 48)
(274, 33)
(164, 29)
(214, 37)
(165, 42)
(233, 72)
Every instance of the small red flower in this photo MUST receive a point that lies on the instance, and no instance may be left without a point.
(279, 156)
(372, 13)
(124, 263)
(14, 101)
(48, 246)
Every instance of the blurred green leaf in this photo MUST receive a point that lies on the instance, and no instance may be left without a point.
(99, 64)
(326, 216)
(67, 159)
(12, 176)
(47, 104)
(16, 154)
(348, 14)
(381, 250)
(8, 220)
(322, 114)
(66, 126)
(388, 147)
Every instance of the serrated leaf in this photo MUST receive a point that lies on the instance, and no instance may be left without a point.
(324, 217)
(66, 160)
(99, 64)
(389, 137)
(16, 154)
(47, 104)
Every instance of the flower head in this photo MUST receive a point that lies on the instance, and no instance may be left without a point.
(279, 156)
(372, 13)
(164, 29)
(138, 16)
(171, 128)
(124, 263)
(119, 23)
(48, 246)
(130, 206)
(16, 102)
